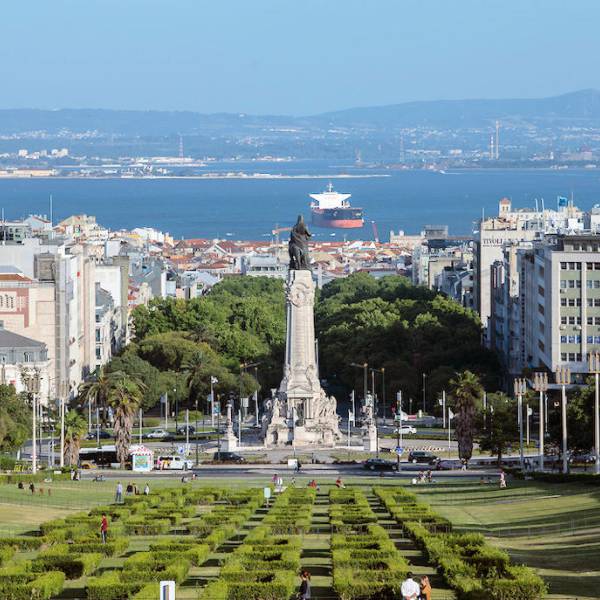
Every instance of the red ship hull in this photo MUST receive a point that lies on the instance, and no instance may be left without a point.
(338, 218)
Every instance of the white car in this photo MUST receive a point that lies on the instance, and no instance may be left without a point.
(408, 430)
(158, 434)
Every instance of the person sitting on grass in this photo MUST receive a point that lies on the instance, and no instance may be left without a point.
(339, 483)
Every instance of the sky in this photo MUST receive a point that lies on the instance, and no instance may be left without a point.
(291, 56)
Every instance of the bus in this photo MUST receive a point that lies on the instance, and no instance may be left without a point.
(101, 457)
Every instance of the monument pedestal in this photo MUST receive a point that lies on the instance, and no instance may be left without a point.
(370, 438)
(302, 413)
(229, 441)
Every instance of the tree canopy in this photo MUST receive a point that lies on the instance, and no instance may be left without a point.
(408, 330)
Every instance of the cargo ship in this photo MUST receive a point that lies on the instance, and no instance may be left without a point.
(331, 209)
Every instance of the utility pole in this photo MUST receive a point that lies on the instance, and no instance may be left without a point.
(520, 389)
(540, 385)
(424, 403)
(32, 380)
(563, 378)
(594, 367)
(62, 425)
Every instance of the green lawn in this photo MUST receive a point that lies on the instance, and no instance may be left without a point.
(554, 528)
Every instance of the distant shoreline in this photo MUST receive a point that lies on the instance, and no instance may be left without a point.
(199, 177)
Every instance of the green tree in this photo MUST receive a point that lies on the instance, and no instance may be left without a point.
(501, 425)
(97, 389)
(15, 418)
(75, 430)
(466, 392)
(125, 398)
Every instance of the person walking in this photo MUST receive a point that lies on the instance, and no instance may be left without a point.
(304, 592)
(103, 528)
(119, 493)
(32, 488)
(425, 588)
(410, 589)
(146, 490)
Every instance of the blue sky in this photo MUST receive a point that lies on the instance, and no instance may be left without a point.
(291, 56)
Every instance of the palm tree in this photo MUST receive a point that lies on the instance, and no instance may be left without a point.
(466, 390)
(97, 390)
(75, 429)
(125, 397)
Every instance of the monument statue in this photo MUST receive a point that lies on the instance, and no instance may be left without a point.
(298, 246)
(301, 412)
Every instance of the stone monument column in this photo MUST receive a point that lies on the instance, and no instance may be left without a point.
(303, 414)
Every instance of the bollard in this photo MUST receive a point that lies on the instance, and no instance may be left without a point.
(167, 590)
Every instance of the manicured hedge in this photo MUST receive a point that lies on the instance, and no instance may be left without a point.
(16, 585)
(470, 566)
(366, 563)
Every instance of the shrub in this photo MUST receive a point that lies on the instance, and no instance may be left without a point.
(21, 542)
(113, 547)
(25, 586)
(72, 565)
(110, 587)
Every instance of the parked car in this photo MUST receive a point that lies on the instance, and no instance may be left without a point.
(228, 457)
(408, 430)
(174, 462)
(103, 435)
(422, 456)
(583, 458)
(380, 464)
(158, 434)
(448, 465)
(181, 429)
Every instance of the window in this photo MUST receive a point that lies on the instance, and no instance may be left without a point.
(571, 356)
(589, 284)
(571, 320)
(540, 290)
(590, 320)
(563, 320)
(597, 339)
(563, 266)
(563, 301)
(571, 339)
(578, 339)
(540, 309)
(572, 266)
(563, 339)
(563, 284)
(28, 356)
(563, 356)
(541, 345)
(596, 320)
(596, 284)
(541, 327)
(590, 339)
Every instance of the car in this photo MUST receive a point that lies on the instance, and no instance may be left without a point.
(448, 465)
(408, 430)
(583, 458)
(190, 428)
(380, 464)
(93, 435)
(422, 456)
(228, 457)
(158, 434)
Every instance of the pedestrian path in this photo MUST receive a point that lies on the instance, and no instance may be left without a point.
(316, 550)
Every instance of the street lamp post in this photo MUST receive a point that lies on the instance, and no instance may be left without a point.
(365, 368)
(563, 378)
(32, 379)
(382, 371)
(424, 402)
(594, 367)
(540, 385)
(520, 388)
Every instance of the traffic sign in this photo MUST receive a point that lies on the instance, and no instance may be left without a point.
(216, 410)
(180, 450)
(398, 417)
(399, 450)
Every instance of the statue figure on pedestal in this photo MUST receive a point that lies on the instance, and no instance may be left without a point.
(298, 246)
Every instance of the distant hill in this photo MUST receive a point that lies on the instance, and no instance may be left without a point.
(583, 105)
(578, 108)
